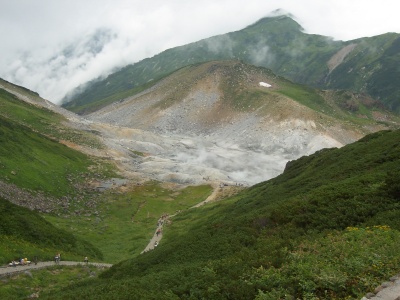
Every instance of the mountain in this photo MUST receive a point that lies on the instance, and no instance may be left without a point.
(327, 228)
(220, 119)
(366, 65)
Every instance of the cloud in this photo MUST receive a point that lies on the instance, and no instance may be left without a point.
(218, 44)
(54, 46)
(261, 54)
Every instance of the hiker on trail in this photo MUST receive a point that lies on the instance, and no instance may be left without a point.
(86, 260)
(156, 244)
(158, 231)
(57, 259)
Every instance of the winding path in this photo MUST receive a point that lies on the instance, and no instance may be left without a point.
(155, 240)
(7, 270)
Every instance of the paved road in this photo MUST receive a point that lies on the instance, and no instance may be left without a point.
(387, 291)
(4, 271)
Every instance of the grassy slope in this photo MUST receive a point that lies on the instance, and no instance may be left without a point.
(41, 119)
(371, 68)
(126, 222)
(35, 162)
(24, 233)
(286, 236)
(32, 159)
(23, 286)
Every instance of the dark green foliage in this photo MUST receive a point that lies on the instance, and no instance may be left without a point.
(372, 67)
(280, 237)
(384, 82)
(392, 184)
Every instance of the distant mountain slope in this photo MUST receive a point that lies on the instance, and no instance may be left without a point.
(365, 65)
(229, 100)
(218, 120)
(327, 228)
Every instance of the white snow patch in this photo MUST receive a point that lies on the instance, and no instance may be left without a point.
(264, 84)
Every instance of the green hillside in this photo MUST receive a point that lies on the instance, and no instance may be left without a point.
(31, 156)
(39, 172)
(278, 43)
(26, 234)
(327, 228)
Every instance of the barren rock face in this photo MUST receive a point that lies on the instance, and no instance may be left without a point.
(212, 123)
(188, 131)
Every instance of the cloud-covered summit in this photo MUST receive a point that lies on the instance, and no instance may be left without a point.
(60, 45)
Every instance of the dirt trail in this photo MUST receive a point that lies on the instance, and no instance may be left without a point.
(7, 270)
(155, 240)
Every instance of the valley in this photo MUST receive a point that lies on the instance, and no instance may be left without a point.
(277, 164)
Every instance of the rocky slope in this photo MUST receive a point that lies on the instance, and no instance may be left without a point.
(365, 65)
(220, 121)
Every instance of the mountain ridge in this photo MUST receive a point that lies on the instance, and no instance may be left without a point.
(309, 232)
(218, 114)
(277, 43)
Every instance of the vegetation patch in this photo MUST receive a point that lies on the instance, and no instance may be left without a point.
(124, 223)
(24, 233)
(327, 228)
(42, 120)
(32, 284)
(33, 161)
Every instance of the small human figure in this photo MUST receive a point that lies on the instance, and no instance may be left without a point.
(35, 260)
(86, 260)
(156, 244)
(57, 259)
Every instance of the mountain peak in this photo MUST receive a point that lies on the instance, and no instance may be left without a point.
(279, 18)
(280, 12)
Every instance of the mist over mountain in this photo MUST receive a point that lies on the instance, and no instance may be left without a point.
(232, 122)
(232, 156)
(364, 65)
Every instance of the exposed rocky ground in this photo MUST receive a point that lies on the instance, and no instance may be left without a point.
(185, 130)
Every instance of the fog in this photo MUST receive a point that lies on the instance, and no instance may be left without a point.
(52, 47)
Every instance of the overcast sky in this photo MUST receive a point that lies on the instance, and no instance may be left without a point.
(47, 45)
